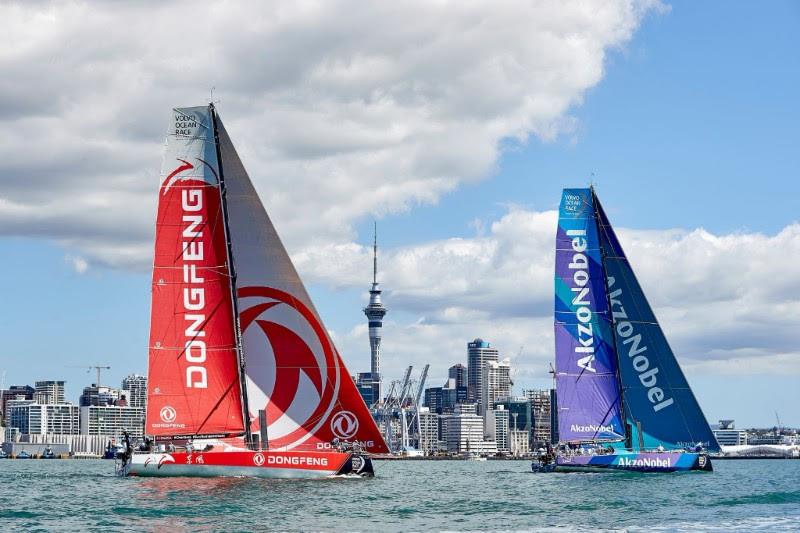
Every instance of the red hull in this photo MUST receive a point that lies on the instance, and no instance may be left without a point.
(271, 464)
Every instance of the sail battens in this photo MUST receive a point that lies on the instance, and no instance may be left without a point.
(193, 382)
(586, 376)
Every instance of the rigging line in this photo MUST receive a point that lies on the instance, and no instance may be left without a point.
(216, 405)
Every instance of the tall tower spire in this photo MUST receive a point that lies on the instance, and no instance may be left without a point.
(375, 312)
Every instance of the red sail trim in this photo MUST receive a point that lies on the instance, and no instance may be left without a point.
(193, 371)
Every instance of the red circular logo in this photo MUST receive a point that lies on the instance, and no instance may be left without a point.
(292, 367)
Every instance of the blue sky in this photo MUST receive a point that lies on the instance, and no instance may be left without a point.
(694, 124)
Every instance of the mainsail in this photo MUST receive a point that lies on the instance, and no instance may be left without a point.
(193, 386)
(660, 407)
(293, 371)
(586, 363)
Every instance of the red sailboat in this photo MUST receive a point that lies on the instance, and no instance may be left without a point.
(244, 379)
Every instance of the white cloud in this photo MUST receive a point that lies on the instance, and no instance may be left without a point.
(79, 264)
(728, 303)
(339, 109)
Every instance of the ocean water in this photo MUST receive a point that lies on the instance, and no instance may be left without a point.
(73, 495)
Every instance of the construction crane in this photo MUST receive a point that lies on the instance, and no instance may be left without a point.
(96, 368)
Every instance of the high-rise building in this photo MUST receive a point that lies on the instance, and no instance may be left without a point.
(462, 431)
(94, 395)
(429, 439)
(554, 436)
(112, 420)
(14, 392)
(479, 352)
(497, 427)
(459, 374)
(519, 442)
(452, 395)
(49, 392)
(375, 312)
(433, 399)
(541, 410)
(33, 418)
(495, 384)
(368, 388)
(136, 386)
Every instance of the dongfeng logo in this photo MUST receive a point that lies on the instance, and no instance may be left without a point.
(168, 414)
(344, 424)
(258, 459)
(286, 335)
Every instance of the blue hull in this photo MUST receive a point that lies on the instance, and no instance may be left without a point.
(635, 462)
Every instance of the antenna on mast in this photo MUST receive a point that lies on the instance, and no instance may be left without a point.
(375, 252)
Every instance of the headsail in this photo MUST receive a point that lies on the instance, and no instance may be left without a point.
(293, 369)
(586, 364)
(193, 385)
(659, 404)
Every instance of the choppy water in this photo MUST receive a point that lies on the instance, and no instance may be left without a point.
(70, 495)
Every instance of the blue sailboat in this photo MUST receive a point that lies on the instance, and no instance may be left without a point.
(623, 401)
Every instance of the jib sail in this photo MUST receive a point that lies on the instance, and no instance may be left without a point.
(660, 407)
(293, 371)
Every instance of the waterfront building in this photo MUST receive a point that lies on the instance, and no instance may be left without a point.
(429, 439)
(458, 372)
(462, 431)
(497, 426)
(433, 399)
(33, 418)
(760, 439)
(519, 442)
(375, 311)
(136, 385)
(111, 420)
(495, 384)
(49, 392)
(479, 352)
(542, 417)
(727, 434)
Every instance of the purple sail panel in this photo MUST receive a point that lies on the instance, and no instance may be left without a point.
(586, 364)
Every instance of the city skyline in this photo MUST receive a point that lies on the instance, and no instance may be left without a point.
(687, 130)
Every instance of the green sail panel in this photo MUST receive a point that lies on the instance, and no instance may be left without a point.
(660, 408)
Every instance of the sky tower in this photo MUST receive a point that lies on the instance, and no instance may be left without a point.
(375, 312)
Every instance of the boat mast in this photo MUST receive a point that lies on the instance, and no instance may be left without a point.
(234, 300)
(595, 203)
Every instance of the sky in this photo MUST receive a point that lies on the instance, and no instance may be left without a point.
(455, 126)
